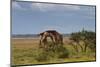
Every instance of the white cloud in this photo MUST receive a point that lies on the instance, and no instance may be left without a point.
(52, 7)
(43, 7)
(16, 5)
(71, 7)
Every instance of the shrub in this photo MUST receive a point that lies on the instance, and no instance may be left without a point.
(61, 52)
(88, 39)
(53, 53)
(41, 56)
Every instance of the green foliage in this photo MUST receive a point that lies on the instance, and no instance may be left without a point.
(84, 39)
(41, 56)
(27, 51)
(52, 53)
(62, 52)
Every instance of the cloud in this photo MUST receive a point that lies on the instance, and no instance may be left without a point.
(43, 7)
(20, 5)
(15, 5)
(53, 7)
(71, 7)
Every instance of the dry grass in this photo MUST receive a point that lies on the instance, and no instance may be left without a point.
(24, 51)
(25, 43)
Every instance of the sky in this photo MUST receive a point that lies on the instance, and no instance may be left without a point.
(33, 18)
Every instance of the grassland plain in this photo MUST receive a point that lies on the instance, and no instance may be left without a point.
(26, 51)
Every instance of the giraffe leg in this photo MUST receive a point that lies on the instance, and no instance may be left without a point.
(40, 42)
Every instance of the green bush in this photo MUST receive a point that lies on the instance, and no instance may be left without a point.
(41, 56)
(84, 39)
(61, 52)
(53, 53)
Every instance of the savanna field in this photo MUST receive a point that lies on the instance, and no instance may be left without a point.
(26, 51)
(51, 33)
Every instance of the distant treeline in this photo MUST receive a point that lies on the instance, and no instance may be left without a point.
(32, 35)
(24, 35)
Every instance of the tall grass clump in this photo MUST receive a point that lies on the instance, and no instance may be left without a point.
(41, 56)
(53, 52)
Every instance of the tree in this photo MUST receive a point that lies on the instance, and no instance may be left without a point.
(84, 39)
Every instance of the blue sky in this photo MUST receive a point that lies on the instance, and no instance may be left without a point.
(33, 18)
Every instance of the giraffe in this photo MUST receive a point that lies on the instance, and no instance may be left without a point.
(55, 37)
